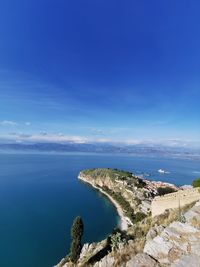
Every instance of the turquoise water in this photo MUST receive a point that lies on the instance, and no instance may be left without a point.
(40, 195)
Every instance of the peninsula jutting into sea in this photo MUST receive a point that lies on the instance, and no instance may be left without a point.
(99, 133)
(150, 212)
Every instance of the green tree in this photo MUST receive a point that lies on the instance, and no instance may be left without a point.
(165, 190)
(76, 235)
(196, 183)
(116, 239)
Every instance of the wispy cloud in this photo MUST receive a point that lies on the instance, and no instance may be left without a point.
(96, 131)
(8, 123)
(44, 137)
(14, 123)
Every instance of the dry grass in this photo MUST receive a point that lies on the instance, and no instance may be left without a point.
(170, 215)
(125, 254)
(139, 231)
(195, 222)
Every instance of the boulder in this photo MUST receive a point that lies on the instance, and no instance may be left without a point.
(158, 248)
(197, 204)
(141, 260)
(183, 228)
(154, 231)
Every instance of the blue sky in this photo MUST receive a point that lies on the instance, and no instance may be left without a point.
(85, 71)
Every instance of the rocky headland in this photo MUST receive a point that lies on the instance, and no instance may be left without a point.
(170, 239)
(126, 191)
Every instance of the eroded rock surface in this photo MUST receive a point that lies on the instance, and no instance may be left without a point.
(142, 260)
(179, 243)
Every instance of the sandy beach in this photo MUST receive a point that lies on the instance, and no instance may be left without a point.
(124, 220)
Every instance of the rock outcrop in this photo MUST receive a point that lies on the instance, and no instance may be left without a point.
(179, 243)
(128, 186)
(142, 260)
(171, 239)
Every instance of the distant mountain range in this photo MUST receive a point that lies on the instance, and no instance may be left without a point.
(154, 150)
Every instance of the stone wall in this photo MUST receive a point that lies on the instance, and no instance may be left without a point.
(174, 200)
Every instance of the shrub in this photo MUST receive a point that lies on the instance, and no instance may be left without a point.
(141, 183)
(165, 190)
(139, 216)
(128, 210)
(115, 241)
(196, 183)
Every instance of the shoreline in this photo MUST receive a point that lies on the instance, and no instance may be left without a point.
(124, 220)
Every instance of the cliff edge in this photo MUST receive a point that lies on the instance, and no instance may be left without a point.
(174, 243)
(169, 239)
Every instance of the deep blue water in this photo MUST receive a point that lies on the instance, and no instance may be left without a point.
(40, 195)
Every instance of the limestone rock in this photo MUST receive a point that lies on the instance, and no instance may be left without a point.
(89, 250)
(197, 204)
(63, 263)
(151, 234)
(188, 261)
(107, 261)
(85, 249)
(190, 215)
(141, 260)
(177, 245)
(195, 248)
(183, 227)
(154, 231)
(158, 248)
(193, 216)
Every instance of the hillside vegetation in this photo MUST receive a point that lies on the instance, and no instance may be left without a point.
(113, 174)
(196, 183)
(143, 242)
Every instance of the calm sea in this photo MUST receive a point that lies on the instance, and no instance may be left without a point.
(40, 195)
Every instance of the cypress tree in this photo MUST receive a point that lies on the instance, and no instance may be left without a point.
(76, 235)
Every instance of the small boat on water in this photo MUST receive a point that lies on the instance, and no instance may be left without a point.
(162, 171)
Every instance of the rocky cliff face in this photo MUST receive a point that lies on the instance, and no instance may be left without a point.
(98, 181)
(154, 242)
(177, 245)
(138, 197)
